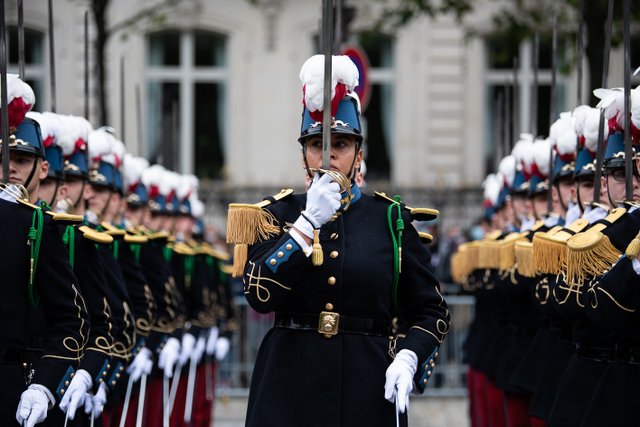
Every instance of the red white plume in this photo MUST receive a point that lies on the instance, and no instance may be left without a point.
(151, 178)
(522, 151)
(133, 169)
(20, 99)
(344, 79)
(507, 168)
(563, 136)
(541, 151)
(74, 133)
(49, 126)
(590, 131)
(100, 145)
(187, 186)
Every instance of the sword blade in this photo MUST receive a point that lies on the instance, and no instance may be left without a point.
(3, 96)
(174, 389)
(327, 33)
(191, 382)
(125, 405)
(143, 389)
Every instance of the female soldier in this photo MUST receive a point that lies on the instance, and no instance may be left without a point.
(324, 361)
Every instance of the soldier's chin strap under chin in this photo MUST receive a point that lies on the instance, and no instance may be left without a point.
(33, 172)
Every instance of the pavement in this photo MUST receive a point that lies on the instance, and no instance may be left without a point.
(423, 412)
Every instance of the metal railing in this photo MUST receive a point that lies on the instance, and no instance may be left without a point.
(448, 380)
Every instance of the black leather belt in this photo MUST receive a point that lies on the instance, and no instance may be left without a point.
(598, 354)
(331, 323)
(628, 355)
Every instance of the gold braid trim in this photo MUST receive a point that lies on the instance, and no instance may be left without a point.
(523, 252)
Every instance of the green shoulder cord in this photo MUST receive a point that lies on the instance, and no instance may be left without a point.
(396, 237)
(136, 248)
(166, 251)
(188, 270)
(115, 246)
(69, 239)
(35, 238)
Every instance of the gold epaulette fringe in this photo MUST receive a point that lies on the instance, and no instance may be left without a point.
(633, 249)
(246, 223)
(523, 252)
(489, 251)
(550, 248)
(590, 254)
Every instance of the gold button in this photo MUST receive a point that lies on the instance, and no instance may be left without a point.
(334, 236)
(62, 391)
(289, 246)
(108, 366)
(429, 373)
(24, 365)
(437, 354)
(280, 254)
(121, 368)
(433, 364)
(117, 375)
(331, 280)
(113, 383)
(100, 380)
(329, 306)
(273, 261)
(66, 383)
(424, 381)
(72, 374)
(334, 254)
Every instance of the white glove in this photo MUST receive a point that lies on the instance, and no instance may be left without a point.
(222, 348)
(141, 364)
(94, 404)
(169, 356)
(33, 406)
(75, 394)
(323, 201)
(198, 350)
(400, 378)
(188, 344)
(211, 341)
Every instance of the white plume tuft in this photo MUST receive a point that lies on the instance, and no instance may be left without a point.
(507, 168)
(541, 151)
(187, 186)
(100, 145)
(343, 70)
(491, 187)
(579, 116)
(591, 124)
(133, 169)
(522, 150)
(152, 176)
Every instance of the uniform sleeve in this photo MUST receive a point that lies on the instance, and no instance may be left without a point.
(422, 306)
(613, 299)
(273, 268)
(64, 310)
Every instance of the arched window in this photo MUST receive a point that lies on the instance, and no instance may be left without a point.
(186, 75)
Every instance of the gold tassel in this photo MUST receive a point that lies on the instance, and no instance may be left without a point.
(317, 257)
(549, 254)
(634, 247)
(246, 224)
(506, 254)
(523, 252)
(240, 251)
(590, 254)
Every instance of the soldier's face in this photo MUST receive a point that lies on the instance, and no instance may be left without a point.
(539, 205)
(615, 183)
(567, 191)
(48, 191)
(20, 167)
(97, 198)
(343, 151)
(585, 190)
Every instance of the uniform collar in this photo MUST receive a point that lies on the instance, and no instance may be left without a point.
(355, 195)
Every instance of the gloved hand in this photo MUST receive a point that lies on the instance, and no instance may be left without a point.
(76, 392)
(188, 344)
(222, 348)
(33, 406)
(323, 201)
(169, 356)
(141, 364)
(94, 404)
(198, 350)
(211, 341)
(399, 378)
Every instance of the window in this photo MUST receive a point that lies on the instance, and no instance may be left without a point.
(186, 74)
(33, 62)
(504, 121)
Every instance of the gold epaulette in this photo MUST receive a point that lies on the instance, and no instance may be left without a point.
(488, 252)
(65, 217)
(499, 254)
(425, 238)
(95, 236)
(523, 252)
(158, 235)
(246, 223)
(183, 249)
(417, 214)
(591, 252)
(112, 230)
(26, 203)
(135, 238)
(460, 263)
(550, 248)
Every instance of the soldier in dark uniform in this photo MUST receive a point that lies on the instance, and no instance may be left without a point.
(324, 361)
(36, 272)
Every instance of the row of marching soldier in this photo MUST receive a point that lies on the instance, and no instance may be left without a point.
(116, 308)
(555, 336)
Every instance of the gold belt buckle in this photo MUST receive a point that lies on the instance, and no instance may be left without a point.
(328, 323)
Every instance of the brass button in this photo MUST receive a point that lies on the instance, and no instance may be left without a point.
(62, 391)
(334, 236)
(108, 366)
(429, 373)
(329, 306)
(289, 246)
(117, 375)
(334, 254)
(424, 381)
(104, 373)
(437, 354)
(280, 254)
(72, 374)
(331, 280)
(113, 383)
(121, 368)
(66, 383)
(273, 261)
